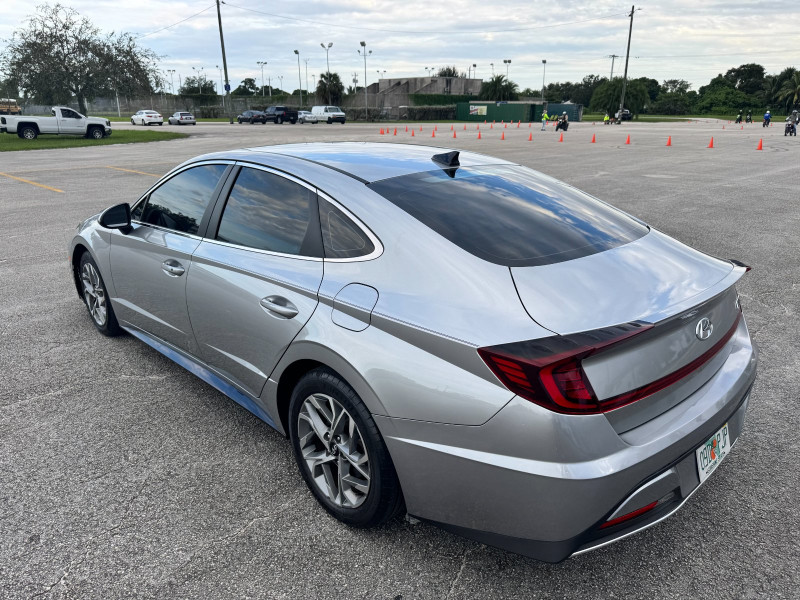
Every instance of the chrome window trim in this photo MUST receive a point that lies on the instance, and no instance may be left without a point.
(261, 251)
(376, 243)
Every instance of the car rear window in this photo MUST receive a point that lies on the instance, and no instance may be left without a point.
(510, 215)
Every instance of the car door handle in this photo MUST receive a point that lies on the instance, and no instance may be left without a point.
(280, 306)
(172, 268)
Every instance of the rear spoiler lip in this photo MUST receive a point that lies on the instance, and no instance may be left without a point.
(740, 264)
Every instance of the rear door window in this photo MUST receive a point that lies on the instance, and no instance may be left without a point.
(511, 215)
(180, 203)
(269, 212)
(341, 237)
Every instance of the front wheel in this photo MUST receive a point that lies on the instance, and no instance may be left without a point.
(96, 133)
(28, 133)
(330, 120)
(279, 121)
(340, 452)
(132, 122)
(94, 295)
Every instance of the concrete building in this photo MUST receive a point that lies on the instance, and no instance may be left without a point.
(395, 92)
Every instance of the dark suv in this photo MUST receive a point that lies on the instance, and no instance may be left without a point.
(252, 116)
(279, 114)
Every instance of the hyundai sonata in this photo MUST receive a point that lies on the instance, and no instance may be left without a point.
(445, 334)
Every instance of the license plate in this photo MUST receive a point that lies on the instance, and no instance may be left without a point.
(710, 454)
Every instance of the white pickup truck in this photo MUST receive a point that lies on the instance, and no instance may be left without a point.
(64, 121)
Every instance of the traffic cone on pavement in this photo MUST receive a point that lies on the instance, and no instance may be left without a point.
(669, 140)
(628, 140)
(561, 139)
(454, 134)
(530, 137)
(433, 133)
(760, 144)
(594, 140)
(711, 143)
(412, 133)
(479, 135)
(381, 130)
(502, 137)
(406, 128)
(395, 131)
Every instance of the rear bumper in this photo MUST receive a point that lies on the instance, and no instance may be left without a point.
(541, 484)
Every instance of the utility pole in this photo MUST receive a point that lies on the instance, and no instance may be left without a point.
(625, 77)
(612, 57)
(366, 94)
(224, 64)
(171, 80)
(222, 88)
(262, 63)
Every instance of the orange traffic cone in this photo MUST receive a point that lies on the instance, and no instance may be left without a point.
(760, 144)
(505, 126)
(669, 140)
(395, 131)
(628, 140)
(479, 125)
(454, 134)
(530, 137)
(479, 135)
(412, 133)
(420, 127)
(436, 128)
(491, 125)
(465, 126)
(742, 126)
(711, 143)
(433, 133)
(723, 126)
(406, 128)
(529, 125)
(451, 128)
(381, 130)
(502, 137)
(561, 139)
(594, 140)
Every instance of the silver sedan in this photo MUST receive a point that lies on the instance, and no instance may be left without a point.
(442, 334)
(182, 118)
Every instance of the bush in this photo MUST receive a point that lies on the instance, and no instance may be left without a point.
(431, 113)
(208, 112)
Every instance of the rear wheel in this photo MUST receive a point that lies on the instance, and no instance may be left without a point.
(96, 299)
(340, 452)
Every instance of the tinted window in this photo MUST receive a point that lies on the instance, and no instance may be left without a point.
(268, 212)
(179, 204)
(69, 114)
(341, 238)
(510, 215)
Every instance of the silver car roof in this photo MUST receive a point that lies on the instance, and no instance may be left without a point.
(369, 161)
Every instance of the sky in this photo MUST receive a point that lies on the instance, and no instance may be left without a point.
(677, 39)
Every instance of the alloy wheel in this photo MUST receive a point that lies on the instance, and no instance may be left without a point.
(334, 451)
(94, 294)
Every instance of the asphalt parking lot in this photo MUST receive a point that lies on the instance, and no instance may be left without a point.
(123, 476)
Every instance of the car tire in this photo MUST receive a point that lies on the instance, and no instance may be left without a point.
(133, 122)
(331, 432)
(330, 120)
(252, 121)
(279, 121)
(28, 132)
(93, 291)
(160, 124)
(96, 133)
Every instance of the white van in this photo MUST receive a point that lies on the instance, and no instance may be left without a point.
(328, 114)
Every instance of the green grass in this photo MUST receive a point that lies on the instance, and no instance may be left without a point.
(10, 142)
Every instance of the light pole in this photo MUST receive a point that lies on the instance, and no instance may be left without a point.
(299, 80)
(222, 87)
(199, 72)
(507, 62)
(426, 72)
(328, 62)
(366, 95)
(544, 68)
(262, 63)
(305, 60)
(474, 71)
(280, 77)
(171, 80)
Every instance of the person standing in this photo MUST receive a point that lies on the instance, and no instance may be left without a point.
(544, 119)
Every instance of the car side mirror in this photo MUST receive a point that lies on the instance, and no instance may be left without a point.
(117, 217)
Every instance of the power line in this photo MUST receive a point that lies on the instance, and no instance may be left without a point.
(425, 32)
(144, 35)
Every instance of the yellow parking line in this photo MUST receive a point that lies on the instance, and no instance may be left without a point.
(41, 185)
(132, 171)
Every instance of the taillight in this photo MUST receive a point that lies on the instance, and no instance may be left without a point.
(548, 372)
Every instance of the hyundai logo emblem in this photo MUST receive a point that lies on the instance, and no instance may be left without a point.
(703, 329)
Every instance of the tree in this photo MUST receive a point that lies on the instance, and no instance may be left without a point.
(449, 72)
(746, 78)
(330, 88)
(652, 87)
(607, 96)
(195, 86)
(790, 91)
(582, 92)
(248, 87)
(675, 86)
(499, 88)
(58, 54)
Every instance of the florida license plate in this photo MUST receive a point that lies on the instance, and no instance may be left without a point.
(710, 454)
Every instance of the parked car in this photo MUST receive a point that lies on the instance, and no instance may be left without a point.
(9, 106)
(64, 121)
(182, 118)
(304, 116)
(147, 117)
(329, 114)
(626, 115)
(252, 117)
(279, 114)
(386, 307)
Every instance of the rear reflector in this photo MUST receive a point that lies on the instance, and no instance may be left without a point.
(548, 372)
(630, 515)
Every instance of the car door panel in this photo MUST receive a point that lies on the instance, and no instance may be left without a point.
(229, 292)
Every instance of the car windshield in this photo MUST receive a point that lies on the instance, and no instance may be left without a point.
(333, 109)
(510, 215)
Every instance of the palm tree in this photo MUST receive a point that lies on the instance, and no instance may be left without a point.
(770, 89)
(790, 92)
(329, 85)
(499, 88)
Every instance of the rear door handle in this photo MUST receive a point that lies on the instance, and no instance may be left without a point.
(280, 306)
(172, 268)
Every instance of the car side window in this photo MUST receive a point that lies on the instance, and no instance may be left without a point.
(341, 238)
(69, 114)
(269, 212)
(181, 201)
